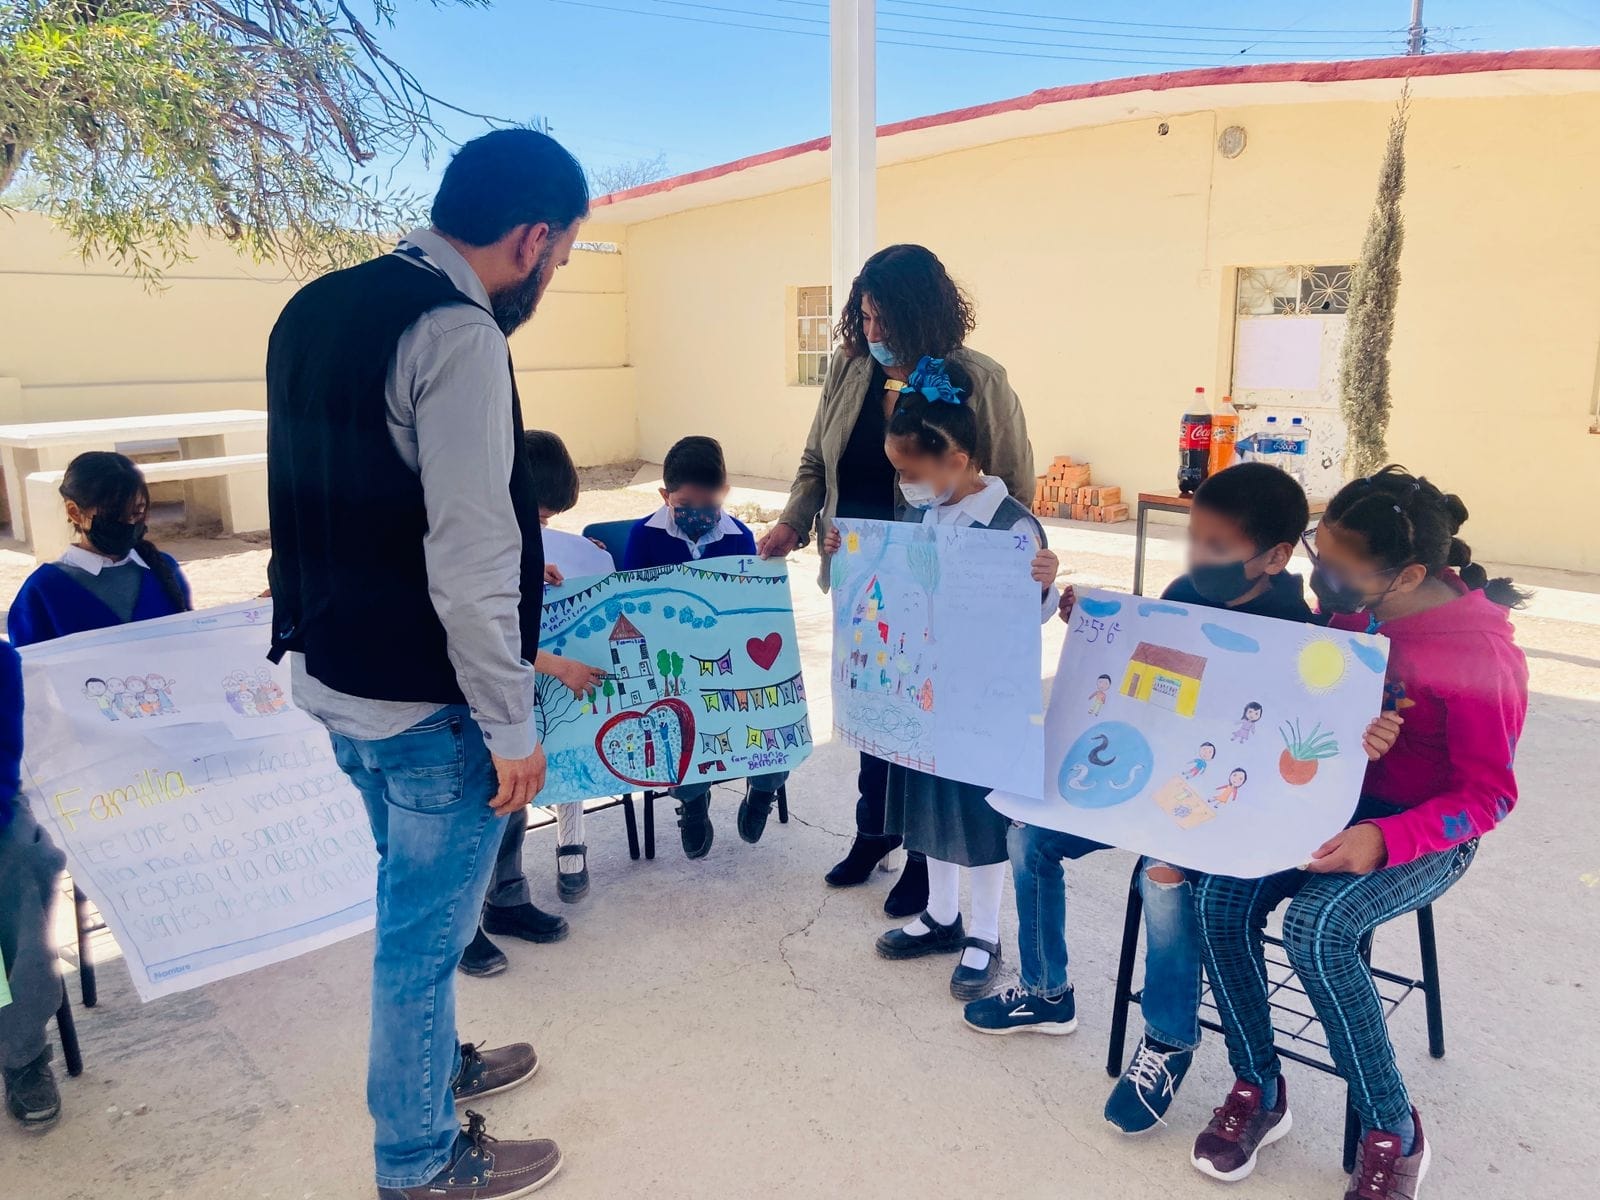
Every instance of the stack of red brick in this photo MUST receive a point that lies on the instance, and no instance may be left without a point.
(1067, 491)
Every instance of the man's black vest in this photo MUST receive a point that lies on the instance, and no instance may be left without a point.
(349, 580)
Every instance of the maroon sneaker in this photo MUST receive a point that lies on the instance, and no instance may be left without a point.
(1383, 1173)
(1227, 1149)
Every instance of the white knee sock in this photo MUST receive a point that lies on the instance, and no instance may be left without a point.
(987, 885)
(944, 895)
(569, 832)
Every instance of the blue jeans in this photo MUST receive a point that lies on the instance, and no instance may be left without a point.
(1171, 1002)
(427, 792)
(758, 783)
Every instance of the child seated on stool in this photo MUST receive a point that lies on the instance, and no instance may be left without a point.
(689, 526)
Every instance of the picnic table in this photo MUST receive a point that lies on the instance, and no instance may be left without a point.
(50, 445)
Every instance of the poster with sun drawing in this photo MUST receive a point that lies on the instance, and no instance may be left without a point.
(936, 650)
(1212, 740)
(702, 679)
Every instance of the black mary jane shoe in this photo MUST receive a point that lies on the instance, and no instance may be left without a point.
(572, 886)
(940, 939)
(974, 983)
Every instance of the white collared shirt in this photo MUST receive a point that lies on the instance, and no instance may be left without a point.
(91, 563)
(662, 518)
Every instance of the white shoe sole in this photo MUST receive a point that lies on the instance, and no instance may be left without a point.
(1273, 1134)
(534, 1187)
(1050, 1028)
(504, 1087)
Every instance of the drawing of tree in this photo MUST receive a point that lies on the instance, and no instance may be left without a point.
(664, 668)
(555, 705)
(923, 559)
(677, 671)
(609, 691)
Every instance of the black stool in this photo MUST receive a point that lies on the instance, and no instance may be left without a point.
(650, 799)
(1294, 1020)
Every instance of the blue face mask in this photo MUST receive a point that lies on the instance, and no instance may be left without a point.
(695, 523)
(881, 352)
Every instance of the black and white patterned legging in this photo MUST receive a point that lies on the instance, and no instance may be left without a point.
(1322, 933)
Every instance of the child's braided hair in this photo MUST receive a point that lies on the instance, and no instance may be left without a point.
(1405, 519)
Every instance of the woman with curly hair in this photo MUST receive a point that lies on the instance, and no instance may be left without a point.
(903, 311)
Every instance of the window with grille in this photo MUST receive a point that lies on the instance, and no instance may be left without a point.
(813, 309)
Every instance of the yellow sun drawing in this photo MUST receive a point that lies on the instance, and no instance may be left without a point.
(1321, 664)
(852, 542)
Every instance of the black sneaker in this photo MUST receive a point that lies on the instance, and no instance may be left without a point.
(866, 852)
(754, 810)
(485, 1168)
(909, 895)
(694, 827)
(572, 886)
(970, 983)
(486, 1072)
(940, 939)
(524, 921)
(31, 1094)
(1017, 1010)
(482, 958)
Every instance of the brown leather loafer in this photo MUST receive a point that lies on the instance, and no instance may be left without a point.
(485, 1168)
(485, 1072)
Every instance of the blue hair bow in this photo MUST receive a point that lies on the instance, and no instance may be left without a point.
(931, 379)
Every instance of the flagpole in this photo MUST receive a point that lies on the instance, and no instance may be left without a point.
(854, 150)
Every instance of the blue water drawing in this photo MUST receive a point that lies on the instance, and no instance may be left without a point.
(1151, 607)
(1368, 656)
(1108, 765)
(1099, 608)
(1230, 639)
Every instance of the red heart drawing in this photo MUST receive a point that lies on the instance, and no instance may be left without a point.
(764, 651)
(637, 746)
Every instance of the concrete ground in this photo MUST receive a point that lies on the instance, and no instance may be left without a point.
(723, 1029)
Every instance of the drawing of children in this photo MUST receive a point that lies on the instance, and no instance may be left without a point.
(1197, 768)
(1102, 689)
(116, 689)
(1247, 722)
(926, 700)
(1229, 792)
(268, 689)
(132, 697)
(162, 686)
(230, 690)
(98, 692)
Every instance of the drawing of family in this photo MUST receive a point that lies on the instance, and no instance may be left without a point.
(131, 698)
(254, 696)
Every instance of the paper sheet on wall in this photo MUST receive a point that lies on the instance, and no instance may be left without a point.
(702, 678)
(1224, 743)
(1278, 353)
(936, 651)
(201, 812)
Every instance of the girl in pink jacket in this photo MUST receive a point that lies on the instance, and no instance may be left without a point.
(1387, 561)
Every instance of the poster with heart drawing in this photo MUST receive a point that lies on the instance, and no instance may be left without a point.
(702, 679)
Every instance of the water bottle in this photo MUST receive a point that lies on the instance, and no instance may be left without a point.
(1269, 444)
(1297, 450)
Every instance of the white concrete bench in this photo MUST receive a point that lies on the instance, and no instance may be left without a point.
(203, 497)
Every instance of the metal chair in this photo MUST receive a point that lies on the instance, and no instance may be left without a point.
(1294, 1020)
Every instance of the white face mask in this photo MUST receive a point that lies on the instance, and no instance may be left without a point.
(920, 495)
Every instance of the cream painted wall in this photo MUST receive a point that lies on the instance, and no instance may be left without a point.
(1102, 262)
(84, 340)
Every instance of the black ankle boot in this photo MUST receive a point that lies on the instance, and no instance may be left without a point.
(865, 853)
(909, 895)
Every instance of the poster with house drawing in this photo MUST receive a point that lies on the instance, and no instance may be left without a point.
(1221, 742)
(936, 650)
(702, 679)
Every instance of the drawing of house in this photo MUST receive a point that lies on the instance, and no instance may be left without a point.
(883, 623)
(631, 666)
(1164, 677)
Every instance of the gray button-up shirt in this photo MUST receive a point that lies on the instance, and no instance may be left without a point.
(449, 402)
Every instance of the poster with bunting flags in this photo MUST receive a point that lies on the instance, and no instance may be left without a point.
(682, 647)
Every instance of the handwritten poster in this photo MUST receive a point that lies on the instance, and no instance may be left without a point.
(936, 651)
(201, 812)
(1226, 743)
(702, 679)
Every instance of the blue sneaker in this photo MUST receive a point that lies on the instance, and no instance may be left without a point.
(1017, 1010)
(1142, 1096)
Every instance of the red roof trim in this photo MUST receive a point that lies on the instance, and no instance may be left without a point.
(1579, 58)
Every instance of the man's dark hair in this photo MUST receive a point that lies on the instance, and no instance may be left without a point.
(1264, 502)
(694, 460)
(921, 309)
(555, 479)
(508, 178)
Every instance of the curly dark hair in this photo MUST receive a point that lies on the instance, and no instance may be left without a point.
(921, 309)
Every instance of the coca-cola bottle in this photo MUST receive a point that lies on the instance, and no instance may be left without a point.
(1194, 444)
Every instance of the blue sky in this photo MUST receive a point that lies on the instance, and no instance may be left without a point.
(624, 79)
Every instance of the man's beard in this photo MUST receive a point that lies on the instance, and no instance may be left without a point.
(514, 305)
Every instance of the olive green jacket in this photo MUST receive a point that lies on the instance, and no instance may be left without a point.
(1003, 447)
